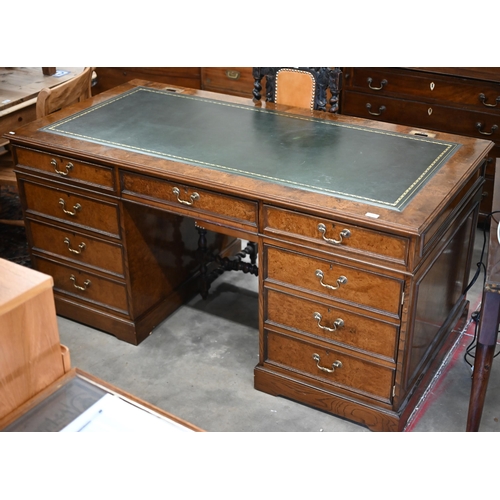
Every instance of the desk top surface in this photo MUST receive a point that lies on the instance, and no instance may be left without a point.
(350, 161)
(319, 162)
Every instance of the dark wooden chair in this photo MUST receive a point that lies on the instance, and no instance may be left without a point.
(310, 88)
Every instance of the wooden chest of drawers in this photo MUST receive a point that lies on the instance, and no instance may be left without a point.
(464, 101)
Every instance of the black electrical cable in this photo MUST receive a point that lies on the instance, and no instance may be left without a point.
(476, 315)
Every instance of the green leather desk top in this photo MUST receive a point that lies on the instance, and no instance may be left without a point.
(359, 163)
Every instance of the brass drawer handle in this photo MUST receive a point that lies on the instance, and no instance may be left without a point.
(482, 98)
(383, 83)
(335, 364)
(76, 207)
(193, 197)
(81, 246)
(345, 233)
(341, 280)
(86, 283)
(233, 74)
(479, 126)
(381, 109)
(69, 167)
(338, 323)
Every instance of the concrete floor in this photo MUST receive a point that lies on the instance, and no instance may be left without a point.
(198, 364)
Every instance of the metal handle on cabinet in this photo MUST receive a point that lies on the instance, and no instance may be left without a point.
(345, 233)
(482, 98)
(335, 364)
(81, 246)
(383, 83)
(193, 197)
(233, 74)
(86, 283)
(341, 280)
(76, 207)
(381, 109)
(338, 323)
(479, 126)
(69, 167)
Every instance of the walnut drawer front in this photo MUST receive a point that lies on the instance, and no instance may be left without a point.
(78, 247)
(423, 85)
(332, 323)
(213, 206)
(333, 279)
(67, 169)
(420, 114)
(235, 81)
(72, 208)
(334, 235)
(85, 285)
(329, 365)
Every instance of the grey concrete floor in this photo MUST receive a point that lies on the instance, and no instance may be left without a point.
(198, 364)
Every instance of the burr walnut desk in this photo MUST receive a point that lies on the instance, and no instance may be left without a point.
(364, 230)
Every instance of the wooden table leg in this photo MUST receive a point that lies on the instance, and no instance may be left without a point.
(485, 350)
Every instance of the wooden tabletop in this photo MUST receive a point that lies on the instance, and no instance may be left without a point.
(19, 85)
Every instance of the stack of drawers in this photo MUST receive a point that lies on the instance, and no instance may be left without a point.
(72, 217)
(325, 324)
(464, 101)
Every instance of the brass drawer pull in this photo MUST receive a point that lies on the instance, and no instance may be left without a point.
(69, 167)
(336, 364)
(86, 283)
(341, 280)
(81, 246)
(345, 233)
(482, 98)
(193, 197)
(383, 83)
(381, 109)
(338, 323)
(76, 207)
(479, 126)
(233, 74)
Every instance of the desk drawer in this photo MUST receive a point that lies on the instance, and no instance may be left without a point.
(77, 247)
(67, 169)
(192, 200)
(352, 373)
(85, 285)
(291, 225)
(335, 324)
(71, 208)
(332, 279)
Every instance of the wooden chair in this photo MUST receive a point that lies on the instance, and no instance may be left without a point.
(75, 90)
(300, 87)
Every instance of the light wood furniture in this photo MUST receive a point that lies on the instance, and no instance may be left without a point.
(361, 284)
(463, 101)
(76, 89)
(489, 321)
(30, 351)
(39, 391)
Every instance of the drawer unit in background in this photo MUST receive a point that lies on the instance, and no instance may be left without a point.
(464, 101)
(232, 81)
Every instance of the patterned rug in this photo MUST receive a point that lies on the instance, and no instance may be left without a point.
(13, 243)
